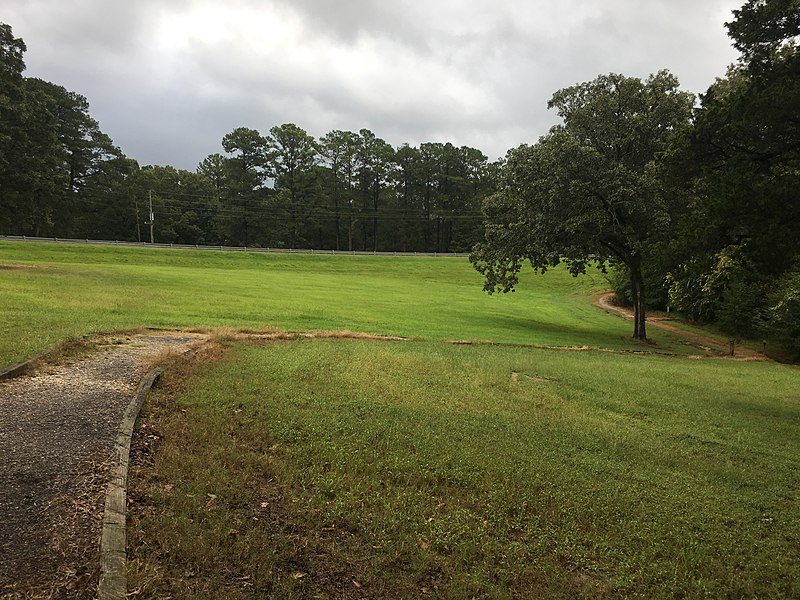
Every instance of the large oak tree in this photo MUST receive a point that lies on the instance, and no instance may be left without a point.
(589, 190)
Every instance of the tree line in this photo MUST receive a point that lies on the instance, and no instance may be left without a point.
(695, 205)
(61, 176)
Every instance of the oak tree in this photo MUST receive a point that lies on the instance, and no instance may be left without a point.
(589, 191)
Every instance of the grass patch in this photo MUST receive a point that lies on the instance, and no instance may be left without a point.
(330, 468)
(345, 467)
(73, 290)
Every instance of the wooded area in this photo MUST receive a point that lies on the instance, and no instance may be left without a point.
(697, 209)
(695, 204)
(61, 176)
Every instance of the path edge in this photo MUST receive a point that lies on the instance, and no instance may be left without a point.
(23, 367)
(113, 576)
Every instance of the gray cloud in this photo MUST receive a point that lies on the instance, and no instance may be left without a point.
(168, 80)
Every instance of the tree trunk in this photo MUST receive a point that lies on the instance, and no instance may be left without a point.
(639, 311)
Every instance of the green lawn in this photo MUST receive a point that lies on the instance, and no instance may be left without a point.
(330, 468)
(372, 469)
(71, 290)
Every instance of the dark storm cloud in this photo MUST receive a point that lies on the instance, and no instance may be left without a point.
(168, 80)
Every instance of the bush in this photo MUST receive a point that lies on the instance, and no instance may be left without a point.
(723, 287)
(742, 311)
(784, 314)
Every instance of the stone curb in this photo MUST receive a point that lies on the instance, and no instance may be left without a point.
(22, 368)
(113, 577)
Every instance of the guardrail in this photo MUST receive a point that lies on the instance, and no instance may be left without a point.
(25, 238)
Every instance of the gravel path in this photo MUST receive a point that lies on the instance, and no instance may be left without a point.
(57, 433)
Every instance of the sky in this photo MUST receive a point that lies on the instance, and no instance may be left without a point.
(167, 80)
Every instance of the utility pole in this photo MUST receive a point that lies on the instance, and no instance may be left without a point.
(150, 222)
(138, 227)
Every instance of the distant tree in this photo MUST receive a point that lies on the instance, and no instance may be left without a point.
(184, 203)
(30, 155)
(376, 161)
(338, 150)
(35, 183)
(589, 191)
(12, 66)
(50, 151)
(85, 146)
(213, 167)
(427, 169)
(290, 158)
(242, 200)
(407, 185)
(472, 184)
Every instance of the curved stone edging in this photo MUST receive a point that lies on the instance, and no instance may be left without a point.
(22, 368)
(113, 579)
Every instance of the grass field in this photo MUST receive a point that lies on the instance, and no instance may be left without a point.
(352, 469)
(336, 468)
(62, 291)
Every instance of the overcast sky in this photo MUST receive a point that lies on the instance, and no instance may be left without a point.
(168, 79)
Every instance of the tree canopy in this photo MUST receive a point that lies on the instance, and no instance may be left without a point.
(736, 258)
(588, 191)
(61, 175)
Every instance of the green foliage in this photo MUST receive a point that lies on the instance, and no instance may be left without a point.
(339, 152)
(698, 290)
(763, 28)
(741, 233)
(742, 313)
(184, 204)
(60, 175)
(347, 190)
(784, 313)
(12, 66)
(590, 190)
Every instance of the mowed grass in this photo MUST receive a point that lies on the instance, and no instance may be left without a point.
(51, 292)
(367, 469)
(358, 469)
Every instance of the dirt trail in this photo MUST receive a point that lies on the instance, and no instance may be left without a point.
(705, 343)
(57, 433)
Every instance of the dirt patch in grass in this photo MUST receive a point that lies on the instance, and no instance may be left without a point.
(15, 267)
(335, 335)
(515, 376)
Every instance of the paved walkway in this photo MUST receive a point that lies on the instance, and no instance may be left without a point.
(57, 433)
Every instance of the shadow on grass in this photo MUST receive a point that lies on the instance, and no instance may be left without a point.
(547, 332)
